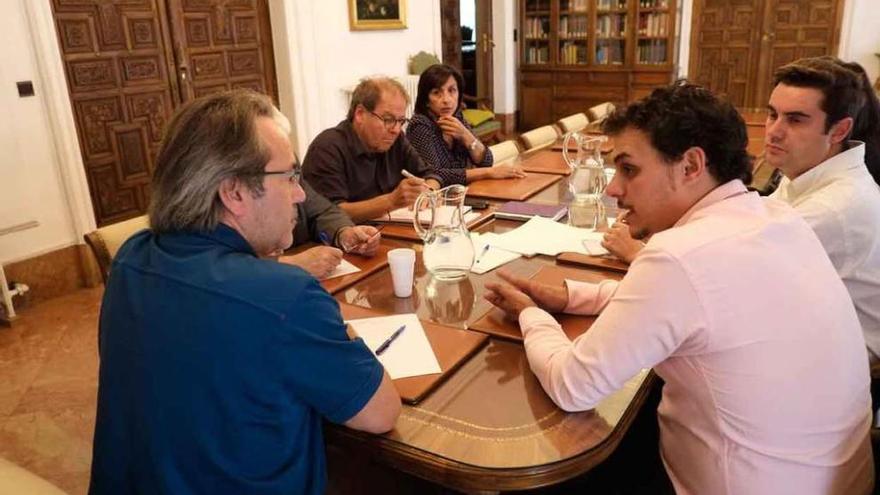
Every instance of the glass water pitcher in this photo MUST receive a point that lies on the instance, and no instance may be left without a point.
(587, 180)
(448, 252)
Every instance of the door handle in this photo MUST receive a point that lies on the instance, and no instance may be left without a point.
(487, 43)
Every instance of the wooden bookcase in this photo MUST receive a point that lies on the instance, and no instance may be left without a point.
(578, 53)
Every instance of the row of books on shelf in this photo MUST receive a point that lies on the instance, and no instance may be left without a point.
(536, 27)
(537, 55)
(610, 4)
(651, 52)
(653, 4)
(653, 24)
(609, 53)
(611, 25)
(573, 26)
(574, 5)
(537, 5)
(573, 53)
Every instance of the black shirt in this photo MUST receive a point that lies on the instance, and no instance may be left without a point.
(338, 165)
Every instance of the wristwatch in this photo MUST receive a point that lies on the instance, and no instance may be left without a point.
(474, 144)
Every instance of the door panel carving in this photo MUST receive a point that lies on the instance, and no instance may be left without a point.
(117, 71)
(724, 35)
(737, 44)
(228, 45)
(124, 60)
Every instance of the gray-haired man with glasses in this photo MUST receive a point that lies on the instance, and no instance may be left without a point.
(218, 366)
(359, 163)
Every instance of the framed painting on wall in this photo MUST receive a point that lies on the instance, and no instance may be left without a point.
(376, 14)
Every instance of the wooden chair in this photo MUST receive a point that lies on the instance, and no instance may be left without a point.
(106, 241)
(479, 114)
(541, 137)
(573, 123)
(15, 479)
(504, 152)
(765, 178)
(598, 114)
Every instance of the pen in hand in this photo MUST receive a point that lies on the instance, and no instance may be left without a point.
(409, 175)
(385, 345)
(325, 239)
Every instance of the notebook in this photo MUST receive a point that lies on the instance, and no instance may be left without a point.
(521, 210)
(443, 215)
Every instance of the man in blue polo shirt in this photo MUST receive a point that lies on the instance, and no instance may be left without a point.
(217, 366)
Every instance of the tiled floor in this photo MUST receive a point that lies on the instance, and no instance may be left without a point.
(48, 384)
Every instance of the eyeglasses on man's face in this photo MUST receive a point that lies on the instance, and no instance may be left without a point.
(293, 175)
(389, 121)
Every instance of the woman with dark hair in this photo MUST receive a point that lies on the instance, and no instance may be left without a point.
(443, 138)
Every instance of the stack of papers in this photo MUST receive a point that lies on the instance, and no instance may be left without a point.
(543, 236)
(443, 215)
(491, 258)
(408, 355)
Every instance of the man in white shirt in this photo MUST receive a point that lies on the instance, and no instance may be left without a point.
(811, 115)
(732, 301)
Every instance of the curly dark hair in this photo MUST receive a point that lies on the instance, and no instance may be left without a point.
(684, 115)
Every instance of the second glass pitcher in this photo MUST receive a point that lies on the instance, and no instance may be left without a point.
(587, 180)
(448, 252)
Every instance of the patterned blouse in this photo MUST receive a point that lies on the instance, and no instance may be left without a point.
(450, 163)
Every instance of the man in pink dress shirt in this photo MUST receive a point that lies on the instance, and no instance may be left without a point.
(733, 302)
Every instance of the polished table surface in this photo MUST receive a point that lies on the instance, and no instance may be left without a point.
(490, 426)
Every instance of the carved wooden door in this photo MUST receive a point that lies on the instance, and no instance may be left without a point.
(737, 44)
(122, 59)
(223, 44)
(795, 29)
(724, 54)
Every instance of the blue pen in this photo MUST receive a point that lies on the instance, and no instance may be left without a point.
(482, 253)
(385, 345)
(325, 239)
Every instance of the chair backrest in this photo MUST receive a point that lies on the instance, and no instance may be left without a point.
(106, 241)
(421, 61)
(505, 151)
(573, 123)
(599, 112)
(540, 137)
(15, 479)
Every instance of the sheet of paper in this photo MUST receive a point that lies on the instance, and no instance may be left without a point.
(343, 268)
(544, 236)
(489, 259)
(409, 355)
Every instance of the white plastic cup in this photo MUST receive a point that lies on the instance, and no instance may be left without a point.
(402, 263)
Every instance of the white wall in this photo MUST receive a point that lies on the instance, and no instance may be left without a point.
(326, 57)
(504, 56)
(31, 188)
(860, 35)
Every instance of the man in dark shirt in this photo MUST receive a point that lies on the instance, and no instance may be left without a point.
(218, 366)
(359, 163)
(323, 222)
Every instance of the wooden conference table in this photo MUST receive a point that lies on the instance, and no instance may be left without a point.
(490, 426)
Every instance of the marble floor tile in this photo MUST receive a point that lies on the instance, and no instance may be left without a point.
(48, 386)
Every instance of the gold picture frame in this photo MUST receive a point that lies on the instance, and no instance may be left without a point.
(366, 15)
